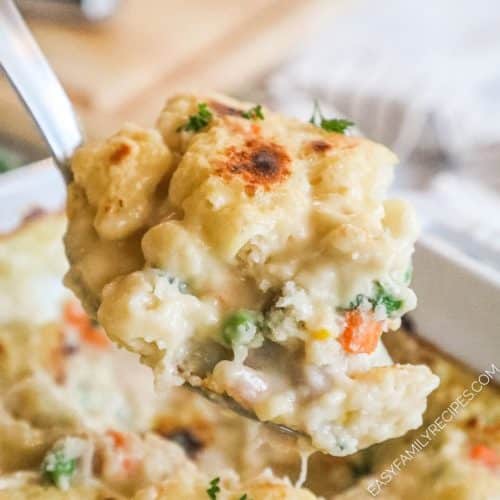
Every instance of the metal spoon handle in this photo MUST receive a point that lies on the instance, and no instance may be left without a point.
(38, 86)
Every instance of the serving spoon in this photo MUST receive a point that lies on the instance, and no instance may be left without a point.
(38, 87)
(45, 99)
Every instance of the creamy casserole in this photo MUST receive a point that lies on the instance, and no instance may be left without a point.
(256, 256)
(79, 418)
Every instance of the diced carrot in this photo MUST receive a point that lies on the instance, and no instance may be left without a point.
(485, 455)
(120, 439)
(361, 333)
(122, 442)
(256, 128)
(95, 337)
(75, 316)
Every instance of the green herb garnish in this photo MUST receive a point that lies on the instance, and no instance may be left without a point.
(254, 113)
(58, 469)
(213, 488)
(198, 121)
(382, 298)
(339, 125)
(244, 497)
(356, 302)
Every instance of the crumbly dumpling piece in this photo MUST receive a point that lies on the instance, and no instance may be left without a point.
(268, 267)
(109, 204)
(269, 183)
(35, 300)
(457, 474)
(195, 486)
(120, 177)
(25, 350)
(44, 492)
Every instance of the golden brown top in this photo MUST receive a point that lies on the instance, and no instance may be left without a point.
(259, 163)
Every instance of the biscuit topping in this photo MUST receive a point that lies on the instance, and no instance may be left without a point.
(259, 163)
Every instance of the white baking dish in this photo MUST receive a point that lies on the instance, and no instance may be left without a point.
(459, 298)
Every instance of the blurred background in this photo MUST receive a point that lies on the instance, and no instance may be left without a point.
(422, 77)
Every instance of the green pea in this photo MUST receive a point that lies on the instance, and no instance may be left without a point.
(241, 327)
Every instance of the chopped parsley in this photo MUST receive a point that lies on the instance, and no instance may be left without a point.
(198, 121)
(244, 497)
(254, 113)
(354, 304)
(57, 469)
(382, 298)
(339, 125)
(213, 488)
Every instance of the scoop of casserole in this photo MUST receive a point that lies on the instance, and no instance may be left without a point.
(255, 256)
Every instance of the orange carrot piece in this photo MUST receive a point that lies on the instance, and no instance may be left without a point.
(485, 455)
(75, 316)
(361, 333)
(95, 337)
(120, 439)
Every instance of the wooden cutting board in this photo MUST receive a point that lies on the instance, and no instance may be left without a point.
(124, 68)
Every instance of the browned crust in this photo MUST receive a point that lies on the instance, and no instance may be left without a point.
(258, 163)
(200, 432)
(224, 110)
(120, 153)
(320, 146)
